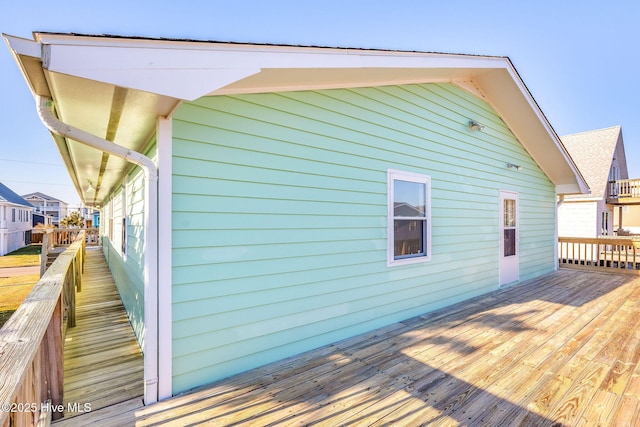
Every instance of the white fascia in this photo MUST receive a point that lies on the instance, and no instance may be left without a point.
(23, 46)
(190, 70)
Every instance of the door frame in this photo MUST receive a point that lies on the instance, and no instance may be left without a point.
(508, 267)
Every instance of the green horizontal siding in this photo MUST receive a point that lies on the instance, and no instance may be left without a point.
(279, 217)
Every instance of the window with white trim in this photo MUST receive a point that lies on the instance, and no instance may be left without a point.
(124, 221)
(109, 211)
(409, 217)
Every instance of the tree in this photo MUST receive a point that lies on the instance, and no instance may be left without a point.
(73, 220)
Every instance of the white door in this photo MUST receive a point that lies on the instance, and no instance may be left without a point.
(509, 238)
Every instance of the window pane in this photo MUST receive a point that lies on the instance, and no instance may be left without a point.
(509, 213)
(510, 242)
(409, 198)
(409, 237)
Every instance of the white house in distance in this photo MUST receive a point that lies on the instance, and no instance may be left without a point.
(15, 220)
(47, 205)
(631, 216)
(600, 157)
(259, 201)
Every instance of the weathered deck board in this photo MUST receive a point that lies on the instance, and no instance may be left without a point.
(102, 360)
(559, 350)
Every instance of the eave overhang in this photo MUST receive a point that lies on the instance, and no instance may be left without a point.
(116, 87)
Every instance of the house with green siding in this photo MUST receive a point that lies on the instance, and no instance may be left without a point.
(260, 201)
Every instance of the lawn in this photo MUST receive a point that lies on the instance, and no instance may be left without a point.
(13, 290)
(23, 257)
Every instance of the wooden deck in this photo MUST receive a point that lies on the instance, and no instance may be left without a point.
(103, 364)
(560, 350)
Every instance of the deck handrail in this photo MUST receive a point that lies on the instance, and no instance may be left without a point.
(616, 254)
(32, 340)
(66, 236)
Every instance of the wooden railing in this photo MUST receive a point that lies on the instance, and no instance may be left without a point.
(624, 189)
(66, 236)
(615, 254)
(32, 341)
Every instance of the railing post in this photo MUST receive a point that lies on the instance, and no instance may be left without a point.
(79, 269)
(47, 239)
(52, 358)
(70, 292)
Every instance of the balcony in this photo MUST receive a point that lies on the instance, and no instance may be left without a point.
(624, 192)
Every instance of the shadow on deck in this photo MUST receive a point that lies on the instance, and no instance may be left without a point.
(103, 364)
(563, 349)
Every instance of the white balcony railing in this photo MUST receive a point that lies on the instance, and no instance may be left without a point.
(624, 189)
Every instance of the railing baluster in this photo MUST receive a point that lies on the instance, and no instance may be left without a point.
(619, 248)
(626, 257)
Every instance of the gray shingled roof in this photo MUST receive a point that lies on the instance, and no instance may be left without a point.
(593, 152)
(7, 195)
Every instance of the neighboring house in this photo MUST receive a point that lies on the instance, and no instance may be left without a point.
(47, 205)
(631, 219)
(302, 195)
(15, 221)
(41, 219)
(600, 157)
(95, 219)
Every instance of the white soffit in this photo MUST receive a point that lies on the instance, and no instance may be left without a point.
(510, 97)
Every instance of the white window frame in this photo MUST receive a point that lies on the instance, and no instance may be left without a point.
(109, 223)
(125, 222)
(393, 175)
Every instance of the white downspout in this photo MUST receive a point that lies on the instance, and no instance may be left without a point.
(150, 347)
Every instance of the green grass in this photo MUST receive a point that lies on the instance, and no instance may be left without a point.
(23, 257)
(4, 316)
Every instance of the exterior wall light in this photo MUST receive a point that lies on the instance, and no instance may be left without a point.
(475, 126)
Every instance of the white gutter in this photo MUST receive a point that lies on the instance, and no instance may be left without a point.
(150, 346)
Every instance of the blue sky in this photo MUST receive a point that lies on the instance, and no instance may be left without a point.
(579, 59)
